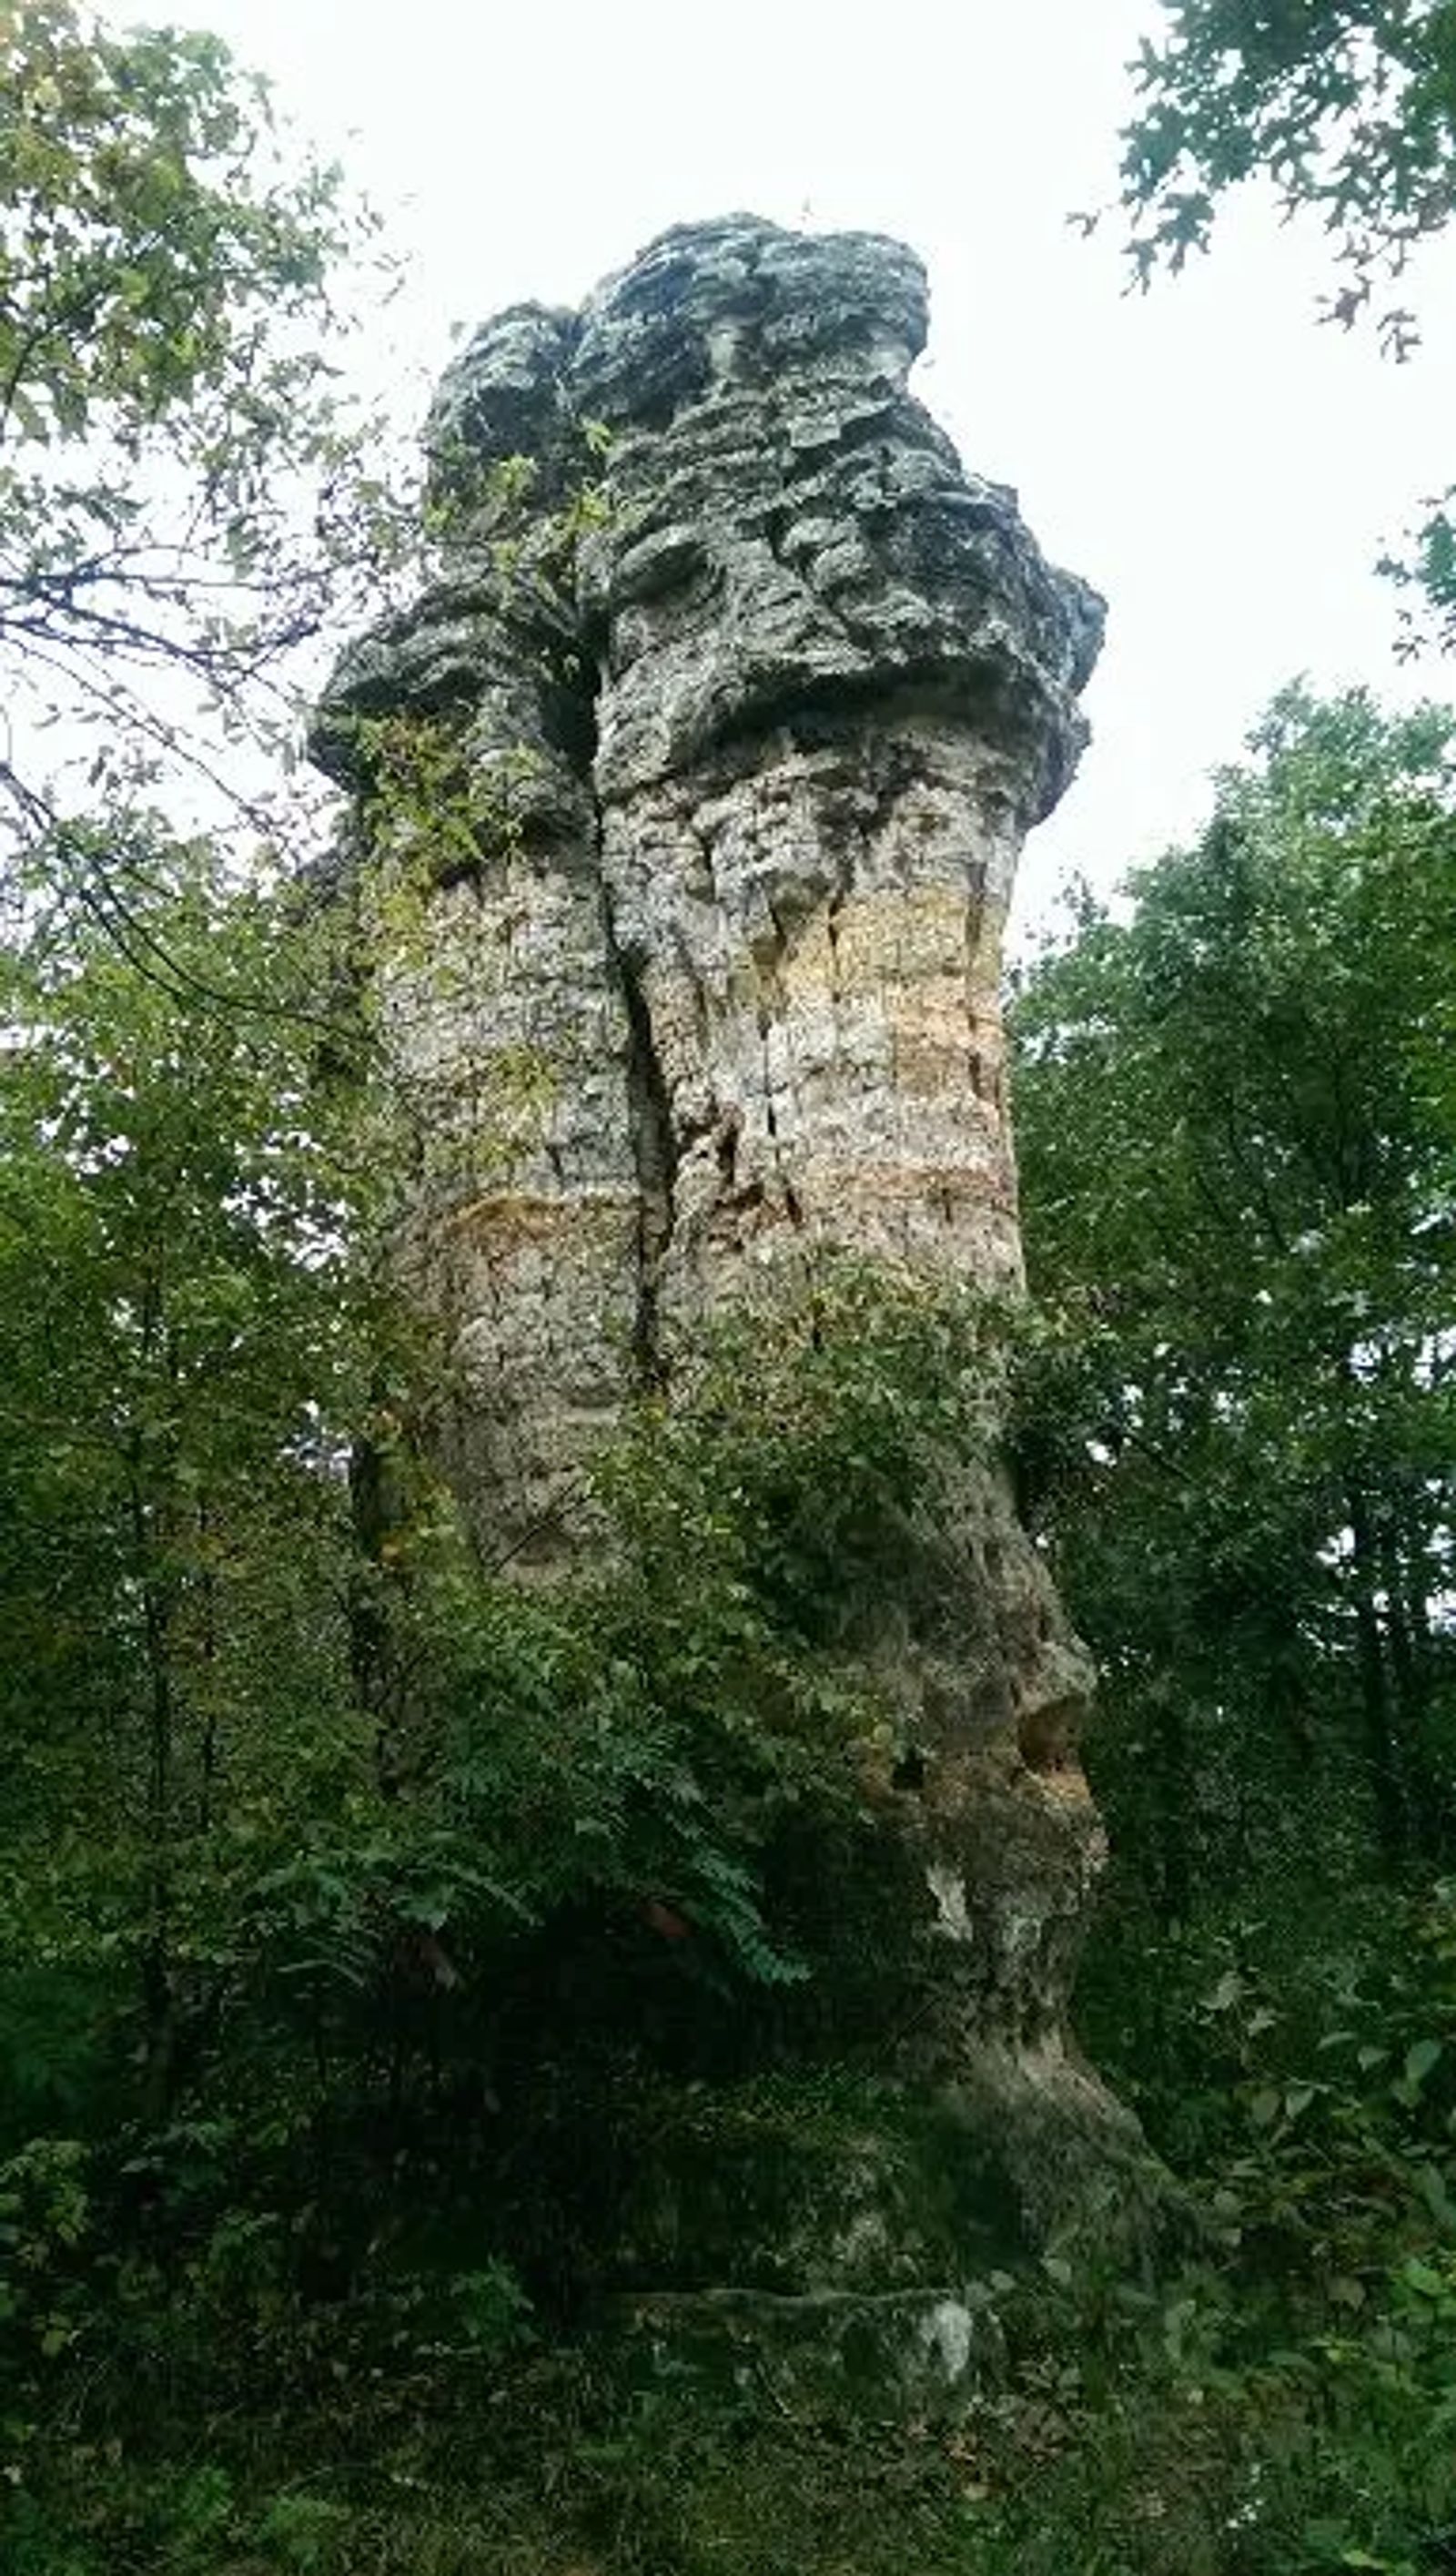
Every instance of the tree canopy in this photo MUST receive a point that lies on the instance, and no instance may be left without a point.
(1347, 108)
(181, 483)
(1237, 1122)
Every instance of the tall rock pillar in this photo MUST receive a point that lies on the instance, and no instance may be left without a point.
(720, 729)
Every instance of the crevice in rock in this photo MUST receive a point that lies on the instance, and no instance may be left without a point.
(655, 1154)
(654, 1144)
(814, 714)
(833, 910)
(793, 1205)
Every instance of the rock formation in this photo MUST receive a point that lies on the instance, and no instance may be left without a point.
(713, 745)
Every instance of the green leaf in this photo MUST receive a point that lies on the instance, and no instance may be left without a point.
(1421, 2057)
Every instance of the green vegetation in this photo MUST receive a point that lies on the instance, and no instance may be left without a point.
(356, 1903)
(183, 492)
(364, 1915)
(1348, 108)
(1237, 1127)
(1257, 1066)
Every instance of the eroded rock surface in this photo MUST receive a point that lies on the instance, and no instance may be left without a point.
(718, 733)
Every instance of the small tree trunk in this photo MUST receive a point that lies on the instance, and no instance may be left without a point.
(159, 2002)
(1381, 1747)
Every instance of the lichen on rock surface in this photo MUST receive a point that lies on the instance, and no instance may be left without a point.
(730, 704)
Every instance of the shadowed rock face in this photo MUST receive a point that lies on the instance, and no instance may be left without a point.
(748, 694)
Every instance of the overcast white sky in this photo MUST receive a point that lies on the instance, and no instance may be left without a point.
(1222, 468)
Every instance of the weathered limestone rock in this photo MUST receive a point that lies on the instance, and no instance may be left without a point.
(713, 747)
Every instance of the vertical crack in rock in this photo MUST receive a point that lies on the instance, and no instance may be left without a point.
(726, 996)
(655, 1155)
(654, 1141)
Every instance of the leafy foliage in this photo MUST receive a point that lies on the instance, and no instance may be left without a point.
(1256, 1391)
(183, 1339)
(326, 2029)
(332, 1863)
(181, 493)
(1238, 1139)
(1348, 109)
(1348, 106)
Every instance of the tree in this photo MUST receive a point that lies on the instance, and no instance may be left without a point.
(183, 1350)
(1348, 108)
(1237, 1120)
(180, 484)
(283, 1763)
